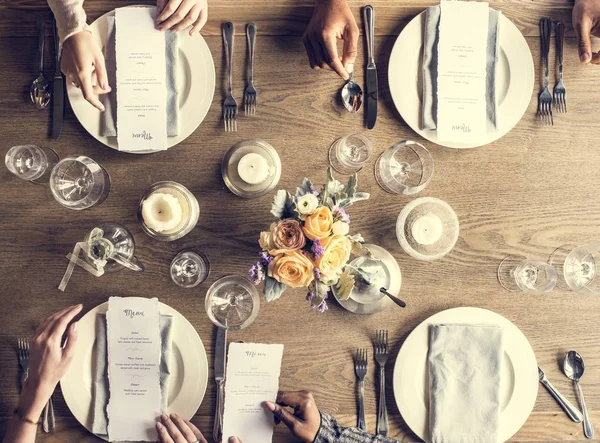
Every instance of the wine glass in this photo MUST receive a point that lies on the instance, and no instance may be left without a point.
(189, 269)
(30, 162)
(350, 153)
(232, 302)
(581, 269)
(518, 273)
(79, 182)
(404, 168)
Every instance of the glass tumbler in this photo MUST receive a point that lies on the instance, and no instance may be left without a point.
(189, 269)
(517, 273)
(232, 302)
(350, 153)
(30, 162)
(404, 168)
(79, 182)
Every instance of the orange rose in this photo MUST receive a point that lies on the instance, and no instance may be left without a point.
(318, 224)
(292, 269)
(336, 253)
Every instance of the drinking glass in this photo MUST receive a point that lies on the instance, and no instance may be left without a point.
(79, 182)
(232, 302)
(113, 245)
(30, 162)
(189, 269)
(404, 168)
(350, 153)
(581, 269)
(518, 273)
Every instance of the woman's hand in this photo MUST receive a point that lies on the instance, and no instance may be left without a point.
(175, 429)
(331, 20)
(305, 422)
(586, 21)
(82, 62)
(177, 15)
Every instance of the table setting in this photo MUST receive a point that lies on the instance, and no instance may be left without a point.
(285, 247)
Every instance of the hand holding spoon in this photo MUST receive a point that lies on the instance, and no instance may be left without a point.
(573, 368)
(352, 95)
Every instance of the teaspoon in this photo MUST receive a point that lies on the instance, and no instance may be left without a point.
(573, 368)
(352, 95)
(39, 92)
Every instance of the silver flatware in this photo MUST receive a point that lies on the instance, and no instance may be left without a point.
(360, 367)
(250, 92)
(570, 410)
(545, 98)
(48, 420)
(229, 105)
(372, 87)
(382, 353)
(352, 95)
(23, 356)
(573, 368)
(58, 91)
(39, 92)
(220, 358)
(395, 299)
(560, 92)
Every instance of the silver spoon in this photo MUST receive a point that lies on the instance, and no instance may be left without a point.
(395, 299)
(573, 368)
(39, 92)
(352, 95)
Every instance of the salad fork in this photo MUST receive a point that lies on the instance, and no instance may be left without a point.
(250, 92)
(229, 105)
(381, 349)
(360, 367)
(23, 355)
(545, 98)
(560, 93)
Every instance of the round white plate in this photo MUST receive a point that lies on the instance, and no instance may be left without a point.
(514, 80)
(187, 384)
(195, 77)
(519, 372)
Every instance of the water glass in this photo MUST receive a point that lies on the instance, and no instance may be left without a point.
(79, 182)
(189, 269)
(232, 303)
(350, 153)
(404, 168)
(29, 162)
(517, 273)
(581, 271)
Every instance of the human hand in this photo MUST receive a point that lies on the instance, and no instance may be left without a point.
(586, 21)
(48, 360)
(174, 429)
(177, 15)
(82, 62)
(331, 20)
(305, 422)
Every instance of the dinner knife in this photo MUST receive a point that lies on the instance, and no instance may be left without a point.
(220, 358)
(58, 90)
(372, 94)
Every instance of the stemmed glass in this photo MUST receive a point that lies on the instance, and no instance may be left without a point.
(580, 267)
(30, 162)
(232, 302)
(404, 168)
(518, 273)
(350, 153)
(189, 269)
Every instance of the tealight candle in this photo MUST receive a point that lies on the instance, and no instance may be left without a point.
(253, 168)
(162, 212)
(427, 229)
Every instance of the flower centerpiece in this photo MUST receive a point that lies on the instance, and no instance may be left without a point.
(309, 246)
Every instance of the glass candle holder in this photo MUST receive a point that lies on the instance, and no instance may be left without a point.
(404, 168)
(168, 211)
(232, 303)
(350, 153)
(189, 269)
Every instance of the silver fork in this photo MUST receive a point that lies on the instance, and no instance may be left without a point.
(560, 93)
(250, 92)
(229, 105)
(381, 349)
(545, 99)
(23, 355)
(360, 367)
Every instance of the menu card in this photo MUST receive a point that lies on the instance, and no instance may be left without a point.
(141, 80)
(133, 368)
(462, 58)
(252, 378)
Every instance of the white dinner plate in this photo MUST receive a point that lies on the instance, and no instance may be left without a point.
(514, 80)
(189, 368)
(195, 79)
(519, 375)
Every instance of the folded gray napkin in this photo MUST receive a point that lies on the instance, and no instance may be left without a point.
(430, 65)
(464, 383)
(108, 123)
(100, 388)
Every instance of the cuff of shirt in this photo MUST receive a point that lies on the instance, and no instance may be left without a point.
(326, 430)
(72, 32)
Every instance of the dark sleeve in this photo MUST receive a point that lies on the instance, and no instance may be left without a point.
(332, 432)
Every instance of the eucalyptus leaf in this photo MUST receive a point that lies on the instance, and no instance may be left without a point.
(273, 289)
(359, 196)
(351, 186)
(305, 188)
(284, 205)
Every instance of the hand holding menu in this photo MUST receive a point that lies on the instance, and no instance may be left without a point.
(252, 378)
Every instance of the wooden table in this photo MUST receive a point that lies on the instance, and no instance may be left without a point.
(530, 192)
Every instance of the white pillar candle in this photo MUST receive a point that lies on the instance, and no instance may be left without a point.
(253, 168)
(427, 229)
(162, 212)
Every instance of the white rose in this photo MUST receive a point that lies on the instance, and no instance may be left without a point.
(307, 204)
(340, 228)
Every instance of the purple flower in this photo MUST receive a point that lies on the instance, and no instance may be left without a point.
(323, 306)
(265, 258)
(317, 249)
(317, 273)
(341, 214)
(257, 273)
(310, 296)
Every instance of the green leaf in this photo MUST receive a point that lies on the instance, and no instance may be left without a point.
(359, 196)
(351, 186)
(284, 205)
(273, 289)
(305, 188)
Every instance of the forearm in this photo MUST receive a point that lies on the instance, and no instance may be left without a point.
(332, 432)
(70, 17)
(23, 426)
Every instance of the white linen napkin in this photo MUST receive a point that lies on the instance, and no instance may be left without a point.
(464, 383)
(101, 389)
(430, 63)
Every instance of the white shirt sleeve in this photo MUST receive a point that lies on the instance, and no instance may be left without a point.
(70, 17)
